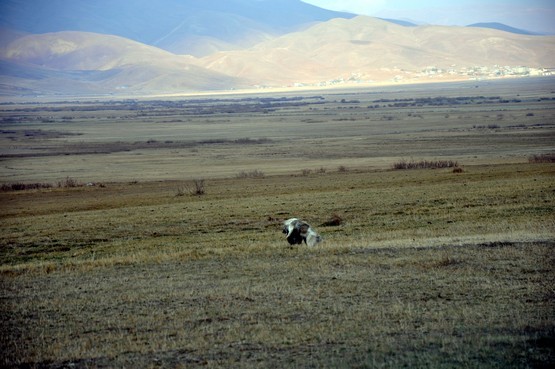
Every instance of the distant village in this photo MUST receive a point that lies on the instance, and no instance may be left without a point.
(489, 72)
(433, 72)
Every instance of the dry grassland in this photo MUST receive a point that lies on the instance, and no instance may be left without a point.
(426, 268)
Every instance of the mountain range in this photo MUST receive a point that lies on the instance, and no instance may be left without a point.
(142, 47)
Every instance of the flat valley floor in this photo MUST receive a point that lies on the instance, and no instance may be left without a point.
(481, 122)
(146, 232)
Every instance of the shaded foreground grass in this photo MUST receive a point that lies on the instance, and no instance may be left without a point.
(428, 268)
(476, 306)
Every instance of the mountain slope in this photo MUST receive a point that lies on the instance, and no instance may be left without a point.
(377, 50)
(81, 62)
(81, 51)
(173, 25)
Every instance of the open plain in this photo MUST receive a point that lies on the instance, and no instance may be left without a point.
(146, 232)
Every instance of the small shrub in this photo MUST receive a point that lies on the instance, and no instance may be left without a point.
(342, 169)
(257, 174)
(180, 191)
(68, 183)
(306, 172)
(197, 187)
(322, 170)
(458, 170)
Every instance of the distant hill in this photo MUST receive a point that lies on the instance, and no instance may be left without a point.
(84, 63)
(502, 27)
(342, 49)
(373, 49)
(191, 27)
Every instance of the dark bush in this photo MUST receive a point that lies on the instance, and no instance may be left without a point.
(542, 158)
(23, 186)
(425, 164)
(252, 174)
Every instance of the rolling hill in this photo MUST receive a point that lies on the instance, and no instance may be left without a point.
(190, 27)
(357, 49)
(90, 63)
(375, 49)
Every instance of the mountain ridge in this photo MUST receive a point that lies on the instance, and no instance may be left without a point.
(167, 24)
(360, 49)
(503, 27)
(365, 46)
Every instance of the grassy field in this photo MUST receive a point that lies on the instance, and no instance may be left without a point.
(422, 268)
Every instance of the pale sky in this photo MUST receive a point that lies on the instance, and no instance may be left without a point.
(531, 15)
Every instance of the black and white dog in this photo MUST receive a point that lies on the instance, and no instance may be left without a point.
(298, 231)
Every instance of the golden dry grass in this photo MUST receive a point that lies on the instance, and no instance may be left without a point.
(429, 268)
(504, 202)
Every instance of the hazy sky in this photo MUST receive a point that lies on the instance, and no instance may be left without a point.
(532, 15)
